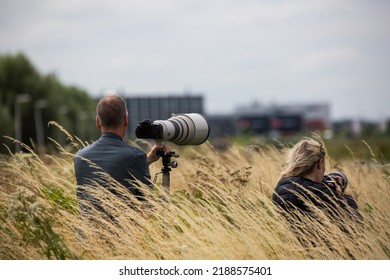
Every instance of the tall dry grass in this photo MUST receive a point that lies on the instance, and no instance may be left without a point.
(218, 207)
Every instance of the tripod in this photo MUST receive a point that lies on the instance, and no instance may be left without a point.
(167, 165)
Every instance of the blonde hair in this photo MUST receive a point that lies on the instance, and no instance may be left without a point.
(302, 158)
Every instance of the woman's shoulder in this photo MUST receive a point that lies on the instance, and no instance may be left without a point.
(299, 182)
(296, 180)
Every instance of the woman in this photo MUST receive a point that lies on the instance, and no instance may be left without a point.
(302, 185)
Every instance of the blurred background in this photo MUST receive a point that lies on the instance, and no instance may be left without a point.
(257, 69)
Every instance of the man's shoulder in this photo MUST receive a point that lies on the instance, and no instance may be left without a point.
(85, 150)
(127, 148)
(101, 148)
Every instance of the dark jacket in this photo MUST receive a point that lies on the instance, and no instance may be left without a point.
(298, 193)
(109, 154)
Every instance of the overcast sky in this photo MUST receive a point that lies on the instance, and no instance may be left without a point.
(233, 52)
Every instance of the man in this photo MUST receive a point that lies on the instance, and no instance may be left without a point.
(109, 157)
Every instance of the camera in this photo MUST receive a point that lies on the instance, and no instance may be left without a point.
(180, 129)
(330, 180)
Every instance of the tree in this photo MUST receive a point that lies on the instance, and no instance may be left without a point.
(48, 99)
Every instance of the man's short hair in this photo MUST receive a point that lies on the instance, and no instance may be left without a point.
(111, 111)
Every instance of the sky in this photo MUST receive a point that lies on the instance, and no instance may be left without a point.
(233, 52)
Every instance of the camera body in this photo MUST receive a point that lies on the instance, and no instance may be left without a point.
(331, 181)
(149, 130)
(180, 129)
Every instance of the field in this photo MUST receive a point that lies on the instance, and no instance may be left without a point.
(218, 207)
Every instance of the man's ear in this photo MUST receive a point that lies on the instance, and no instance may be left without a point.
(126, 120)
(98, 123)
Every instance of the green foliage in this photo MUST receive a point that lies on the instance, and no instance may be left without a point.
(35, 226)
(364, 148)
(68, 105)
(7, 124)
(377, 147)
(60, 198)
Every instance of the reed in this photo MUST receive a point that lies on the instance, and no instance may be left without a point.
(219, 207)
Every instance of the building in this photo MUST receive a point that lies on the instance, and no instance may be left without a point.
(282, 119)
(222, 125)
(160, 107)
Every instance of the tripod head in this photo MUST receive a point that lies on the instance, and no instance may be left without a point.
(167, 165)
(166, 159)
